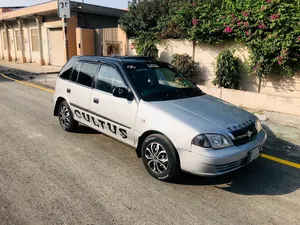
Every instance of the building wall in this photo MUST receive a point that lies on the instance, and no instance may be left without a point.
(85, 41)
(13, 51)
(72, 24)
(35, 55)
(27, 40)
(50, 23)
(122, 36)
(1, 45)
(258, 101)
(4, 52)
(105, 36)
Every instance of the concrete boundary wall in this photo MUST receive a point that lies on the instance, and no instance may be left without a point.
(258, 101)
(206, 55)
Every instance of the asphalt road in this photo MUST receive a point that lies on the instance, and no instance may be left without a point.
(49, 176)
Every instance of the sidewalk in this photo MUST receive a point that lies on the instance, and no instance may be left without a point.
(45, 75)
(32, 68)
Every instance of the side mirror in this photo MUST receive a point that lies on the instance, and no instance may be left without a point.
(121, 92)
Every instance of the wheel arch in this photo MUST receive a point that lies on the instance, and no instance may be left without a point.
(58, 101)
(144, 136)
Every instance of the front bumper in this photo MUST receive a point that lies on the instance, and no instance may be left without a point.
(210, 162)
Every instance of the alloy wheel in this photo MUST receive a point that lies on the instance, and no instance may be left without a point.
(157, 157)
(64, 116)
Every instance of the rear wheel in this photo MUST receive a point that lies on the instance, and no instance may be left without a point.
(66, 118)
(160, 157)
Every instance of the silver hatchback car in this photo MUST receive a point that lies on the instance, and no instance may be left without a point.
(152, 107)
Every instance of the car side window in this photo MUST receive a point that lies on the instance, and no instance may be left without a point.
(108, 79)
(87, 73)
(75, 72)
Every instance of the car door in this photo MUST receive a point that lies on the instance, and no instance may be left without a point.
(80, 89)
(114, 116)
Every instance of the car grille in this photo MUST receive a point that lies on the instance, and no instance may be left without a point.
(231, 166)
(244, 135)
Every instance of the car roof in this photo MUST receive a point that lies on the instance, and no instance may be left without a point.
(117, 59)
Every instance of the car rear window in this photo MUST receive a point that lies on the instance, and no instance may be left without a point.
(66, 71)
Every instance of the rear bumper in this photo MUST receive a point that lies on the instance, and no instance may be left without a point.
(210, 162)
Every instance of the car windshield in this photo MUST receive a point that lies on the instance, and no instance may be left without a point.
(160, 81)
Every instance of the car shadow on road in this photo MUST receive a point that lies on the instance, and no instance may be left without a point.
(82, 129)
(261, 177)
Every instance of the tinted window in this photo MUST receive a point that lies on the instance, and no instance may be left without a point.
(87, 72)
(67, 70)
(75, 72)
(108, 79)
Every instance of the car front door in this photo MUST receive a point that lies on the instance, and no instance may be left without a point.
(113, 115)
(80, 88)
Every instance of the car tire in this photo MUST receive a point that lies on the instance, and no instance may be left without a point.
(66, 118)
(160, 157)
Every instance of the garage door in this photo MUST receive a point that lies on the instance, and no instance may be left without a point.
(57, 54)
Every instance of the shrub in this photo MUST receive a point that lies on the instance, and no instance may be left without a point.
(146, 46)
(185, 64)
(227, 70)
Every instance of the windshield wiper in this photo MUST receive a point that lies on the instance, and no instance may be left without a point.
(171, 94)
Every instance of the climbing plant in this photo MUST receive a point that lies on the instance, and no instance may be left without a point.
(269, 28)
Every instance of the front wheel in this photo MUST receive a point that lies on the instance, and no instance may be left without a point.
(160, 157)
(66, 118)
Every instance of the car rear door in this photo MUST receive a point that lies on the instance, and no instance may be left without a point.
(80, 89)
(112, 115)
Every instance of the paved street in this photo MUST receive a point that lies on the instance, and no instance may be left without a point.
(49, 176)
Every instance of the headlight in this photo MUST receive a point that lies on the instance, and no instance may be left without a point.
(258, 125)
(215, 141)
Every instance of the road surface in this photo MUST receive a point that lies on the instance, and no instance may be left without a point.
(49, 176)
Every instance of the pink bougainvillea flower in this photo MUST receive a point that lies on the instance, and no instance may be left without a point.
(269, 1)
(284, 52)
(262, 8)
(228, 29)
(298, 38)
(245, 14)
(255, 68)
(239, 23)
(195, 22)
(246, 24)
(194, 4)
(274, 16)
(262, 26)
(247, 33)
(280, 62)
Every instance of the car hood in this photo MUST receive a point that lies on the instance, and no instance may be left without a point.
(206, 113)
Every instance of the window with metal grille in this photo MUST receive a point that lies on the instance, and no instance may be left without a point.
(18, 40)
(4, 41)
(34, 40)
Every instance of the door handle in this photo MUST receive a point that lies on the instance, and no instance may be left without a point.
(69, 90)
(96, 100)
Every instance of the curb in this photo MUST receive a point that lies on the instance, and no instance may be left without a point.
(10, 69)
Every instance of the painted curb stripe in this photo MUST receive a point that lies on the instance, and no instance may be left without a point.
(272, 158)
(282, 161)
(28, 84)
